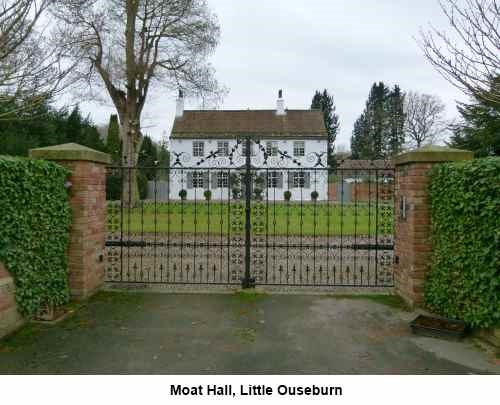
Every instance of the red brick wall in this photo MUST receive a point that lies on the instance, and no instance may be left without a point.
(332, 191)
(361, 192)
(86, 248)
(412, 248)
(9, 316)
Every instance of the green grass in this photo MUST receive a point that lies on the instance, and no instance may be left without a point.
(308, 219)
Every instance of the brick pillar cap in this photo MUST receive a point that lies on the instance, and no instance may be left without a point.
(432, 153)
(70, 151)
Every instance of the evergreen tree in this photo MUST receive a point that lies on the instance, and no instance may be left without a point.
(148, 157)
(378, 132)
(163, 161)
(480, 130)
(74, 126)
(396, 122)
(91, 137)
(43, 125)
(360, 141)
(113, 141)
(324, 101)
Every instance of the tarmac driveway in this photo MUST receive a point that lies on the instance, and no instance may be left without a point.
(118, 332)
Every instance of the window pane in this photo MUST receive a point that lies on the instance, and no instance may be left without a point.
(298, 180)
(272, 148)
(222, 180)
(299, 148)
(222, 148)
(198, 148)
(198, 178)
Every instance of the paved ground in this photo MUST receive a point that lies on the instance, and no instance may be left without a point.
(235, 333)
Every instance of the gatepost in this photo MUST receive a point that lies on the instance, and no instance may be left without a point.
(87, 185)
(412, 244)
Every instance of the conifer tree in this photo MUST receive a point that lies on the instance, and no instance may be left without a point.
(479, 130)
(324, 101)
(378, 132)
(148, 157)
(396, 121)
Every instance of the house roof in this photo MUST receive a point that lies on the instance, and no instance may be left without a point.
(230, 123)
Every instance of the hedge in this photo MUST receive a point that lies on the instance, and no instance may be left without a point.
(464, 280)
(35, 222)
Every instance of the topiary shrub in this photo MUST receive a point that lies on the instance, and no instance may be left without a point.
(35, 221)
(287, 195)
(464, 280)
(314, 195)
(183, 194)
(208, 195)
(236, 193)
(258, 193)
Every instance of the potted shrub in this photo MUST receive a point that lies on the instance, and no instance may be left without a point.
(258, 193)
(236, 193)
(287, 195)
(314, 196)
(208, 195)
(183, 194)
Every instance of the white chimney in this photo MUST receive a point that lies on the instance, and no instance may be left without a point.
(179, 109)
(280, 104)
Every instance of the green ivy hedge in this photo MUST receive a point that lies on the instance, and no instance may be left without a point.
(464, 281)
(35, 219)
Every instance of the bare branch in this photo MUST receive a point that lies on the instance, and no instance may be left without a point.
(468, 56)
(424, 122)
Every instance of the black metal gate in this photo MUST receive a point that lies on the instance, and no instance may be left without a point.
(276, 223)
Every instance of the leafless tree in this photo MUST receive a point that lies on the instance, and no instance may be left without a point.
(469, 55)
(30, 69)
(127, 47)
(424, 122)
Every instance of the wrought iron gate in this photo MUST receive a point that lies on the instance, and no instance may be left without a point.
(237, 220)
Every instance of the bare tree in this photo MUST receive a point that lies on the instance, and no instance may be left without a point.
(126, 47)
(468, 56)
(424, 122)
(30, 70)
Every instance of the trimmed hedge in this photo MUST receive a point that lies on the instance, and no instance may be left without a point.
(35, 220)
(464, 281)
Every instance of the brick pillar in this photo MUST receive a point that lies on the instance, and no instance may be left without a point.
(88, 206)
(412, 246)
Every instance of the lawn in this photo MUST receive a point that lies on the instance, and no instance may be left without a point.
(308, 219)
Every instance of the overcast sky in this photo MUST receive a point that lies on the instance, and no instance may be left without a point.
(304, 45)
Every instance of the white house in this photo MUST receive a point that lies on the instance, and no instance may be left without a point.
(288, 151)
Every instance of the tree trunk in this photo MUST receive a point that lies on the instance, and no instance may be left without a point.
(132, 139)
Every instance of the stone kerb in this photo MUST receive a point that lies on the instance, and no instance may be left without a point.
(412, 244)
(88, 205)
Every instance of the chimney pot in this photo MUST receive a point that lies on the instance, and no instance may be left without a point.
(179, 108)
(280, 104)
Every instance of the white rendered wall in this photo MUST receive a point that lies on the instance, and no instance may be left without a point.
(315, 152)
